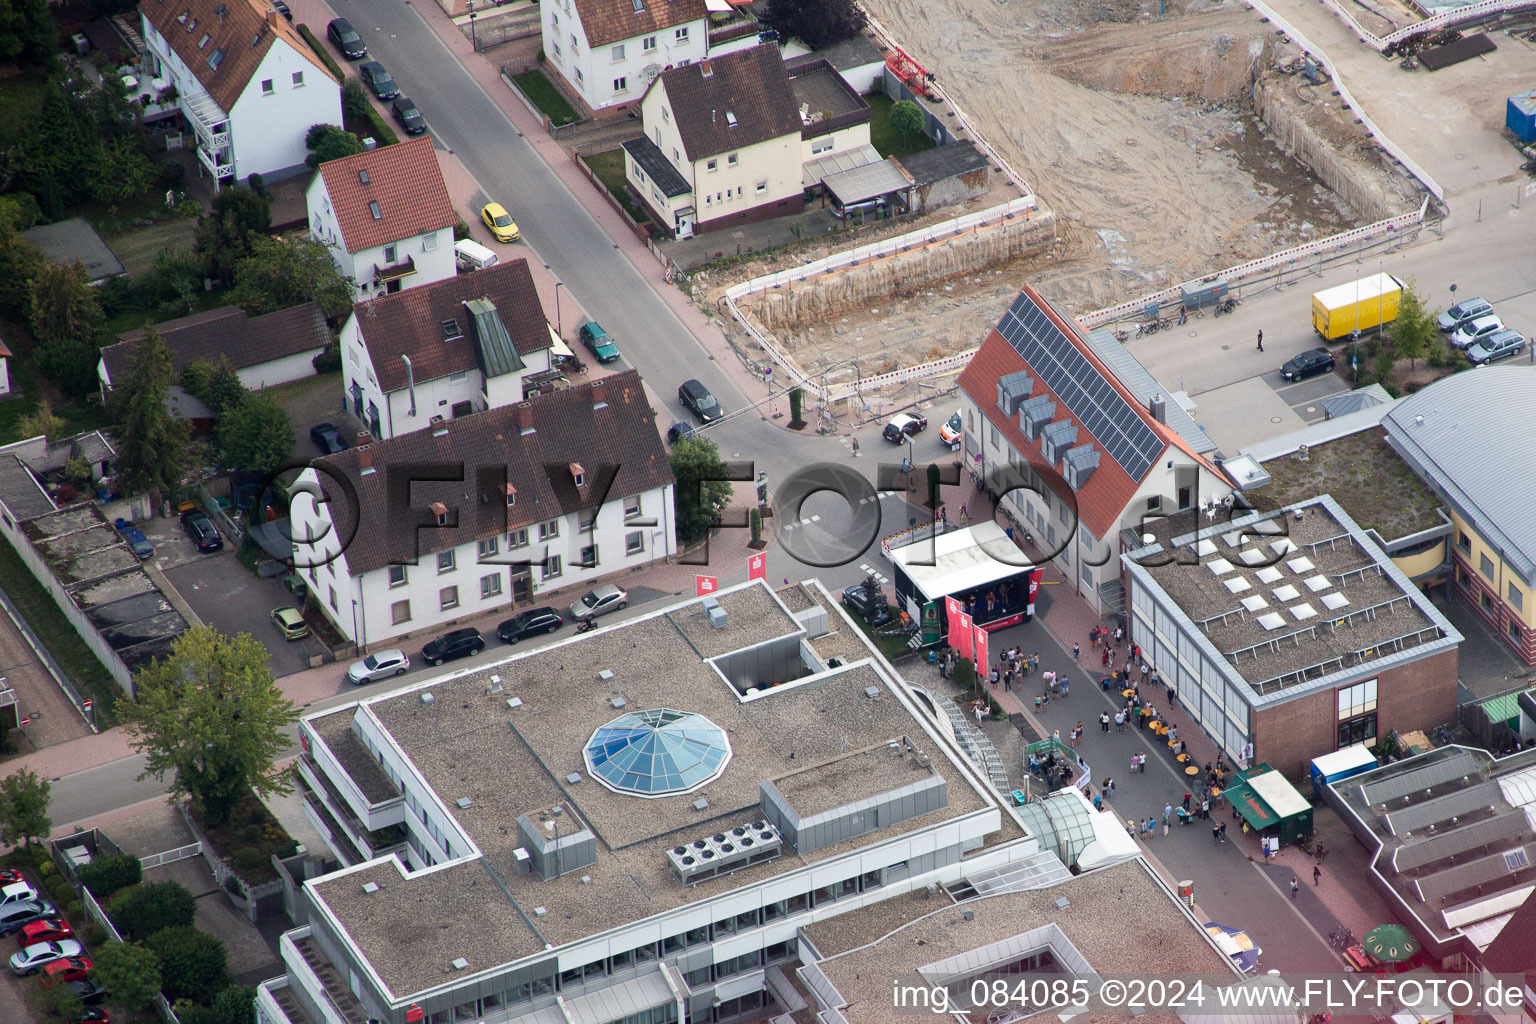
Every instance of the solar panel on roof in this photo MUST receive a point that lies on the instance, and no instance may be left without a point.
(1092, 399)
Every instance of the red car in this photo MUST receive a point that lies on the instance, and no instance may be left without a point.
(70, 969)
(46, 930)
(93, 1015)
(9, 876)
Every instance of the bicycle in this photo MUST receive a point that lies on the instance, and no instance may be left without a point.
(1227, 305)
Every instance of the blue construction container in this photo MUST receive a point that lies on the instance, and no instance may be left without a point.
(1520, 116)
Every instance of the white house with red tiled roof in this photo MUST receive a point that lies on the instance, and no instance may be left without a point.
(1081, 441)
(244, 79)
(386, 217)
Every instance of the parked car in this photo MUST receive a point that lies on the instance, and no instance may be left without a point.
(290, 622)
(346, 39)
(15, 892)
(379, 665)
(680, 432)
(867, 601)
(529, 622)
(62, 972)
(460, 643)
(1500, 345)
(1473, 331)
(47, 929)
(282, 8)
(20, 913)
(404, 109)
(88, 991)
(201, 529)
(595, 338)
(1466, 309)
(598, 601)
(39, 955)
(496, 217)
(92, 1015)
(902, 426)
(951, 432)
(327, 438)
(697, 398)
(10, 875)
(136, 539)
(377, 80)
(1307, 364)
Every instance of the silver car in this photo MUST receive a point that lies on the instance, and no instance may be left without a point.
(1474, 331)
(35, 957)
(1466, 309)
(598, 601)
(1500, 345)
(379, 665)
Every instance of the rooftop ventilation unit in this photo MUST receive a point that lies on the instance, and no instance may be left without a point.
(618, 702)
(725, 852)
(370, 887)
(605, 675)
(701, 804)
(522, 859)
(871, 691)
(1012, 390)
(573, 778)
(428, 698)
(1035, 414)
(716, 613)
(540, 911)
(495, 686)
(515, 702)
(461, 964)
(465, 803)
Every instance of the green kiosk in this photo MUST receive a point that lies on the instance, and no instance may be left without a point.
(1267, 801)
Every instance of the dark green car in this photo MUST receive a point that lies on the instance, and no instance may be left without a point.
(595, 338)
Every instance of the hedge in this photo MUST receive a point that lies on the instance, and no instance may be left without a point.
(382, 132)
(105, 875)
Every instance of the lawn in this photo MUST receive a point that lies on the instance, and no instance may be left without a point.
(21, 97)
(609, 167)
(546, 97)
(133, 319)
(887, 142)
(892, 646)
(78, 414)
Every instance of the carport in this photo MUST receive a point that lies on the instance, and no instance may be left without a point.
(878, 187)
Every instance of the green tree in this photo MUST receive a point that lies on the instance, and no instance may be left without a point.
(327, 142)
(817, 23)
(211, 716)
(128, 970)
(68, 324)
(53, 160)
(20, 263)
(796, 405)
(24, 807)
(906, 119)
(702, 490)
(255, 435)
(354, 102)
(139, 913)
(193, 965)
(152, 443)
(41, 422)
(28, 32)
(63, 1001)
(224, 234)
(19, 212)
(280, 273)
(216, 385)
(1415, 328)
(121, 172)
(235, 1005)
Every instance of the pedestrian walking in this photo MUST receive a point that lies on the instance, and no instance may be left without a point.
(1216, 835)
(1104, 660)
(963, 516)
(1222, 828)
(1077, 649)
(1165, 825)
(1119, 633)
(1119, 721)
(1317, 875)
(1261, 341)
(1104, 721)
(1130, 828)
(978, 712)
(1205, 809)
(1034, 662)
(1295, 887)
(944, 667)
(1188, 797)
(1066, 686)
(1167, 810)
(944, 515)
(1109, 786)
(1133, 764)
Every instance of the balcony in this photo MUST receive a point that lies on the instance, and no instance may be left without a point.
(729, 28)
(326, 802)
(277, 1004)
(394, 271)
(308, 968)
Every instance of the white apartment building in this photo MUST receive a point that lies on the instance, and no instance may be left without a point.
(244, 79)
(386, 217)
(452, 348)
(493, 510)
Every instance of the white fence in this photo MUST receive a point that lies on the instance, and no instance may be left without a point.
(156, 860)
(1445, 19)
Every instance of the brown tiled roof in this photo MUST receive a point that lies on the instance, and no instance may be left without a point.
(240, 28)
(403, 179)
(618, 444)
(612, 21)
(1514, 950)
(227, 331)
(1102, 499)
(750, 86)
(410, 322)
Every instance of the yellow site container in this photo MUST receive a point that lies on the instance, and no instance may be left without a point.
(1364, 305)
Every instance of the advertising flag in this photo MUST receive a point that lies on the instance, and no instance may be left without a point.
(757, 567)
(981, 650)
(954, 611)
(703, 585)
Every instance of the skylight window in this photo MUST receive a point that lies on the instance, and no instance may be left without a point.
(362, 176)
(373, 208)
(215, 59)
(451, 330)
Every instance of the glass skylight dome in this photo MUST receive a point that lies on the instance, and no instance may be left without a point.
(657, 753)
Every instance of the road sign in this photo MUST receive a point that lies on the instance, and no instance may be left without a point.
(757, 567)
(26, 722)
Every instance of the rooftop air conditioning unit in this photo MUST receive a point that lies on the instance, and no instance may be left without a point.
(724, 852)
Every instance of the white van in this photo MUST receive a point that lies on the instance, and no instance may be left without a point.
(471, 255)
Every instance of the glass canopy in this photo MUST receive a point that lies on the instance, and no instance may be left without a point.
(657, 753)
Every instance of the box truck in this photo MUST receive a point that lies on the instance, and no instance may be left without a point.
(1364, 305)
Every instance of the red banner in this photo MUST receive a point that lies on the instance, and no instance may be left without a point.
(953, 611)
(964, 629)
(703, 585)
(1034, 588)
(981, 650)
(757, 567)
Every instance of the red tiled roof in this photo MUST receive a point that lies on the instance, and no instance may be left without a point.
(406, 183)
(748, 87)
(238, 28)
(605, 22)
(410, 322)
(1101, 502)
(618, 444)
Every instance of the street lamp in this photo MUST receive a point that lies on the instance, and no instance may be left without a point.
(559, 328)
(474, 41)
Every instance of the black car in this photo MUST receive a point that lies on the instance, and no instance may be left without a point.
(680, 432)
(409, 117)
(201, 529)
(327, 438)
(529, 623)
(88, 991)
(461, 643)
(377, 80)
(1308, 364)
(16, 915)
(904, 425)
(697, 398)
(282, 8)
(868, 602)
(346, 39)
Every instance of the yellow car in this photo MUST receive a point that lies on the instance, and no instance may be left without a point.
(500, 222)
(290, 623)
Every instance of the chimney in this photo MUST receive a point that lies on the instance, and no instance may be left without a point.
(272, 16)
(525, 419)
(599, 395)
(1158, 407)
(707, 69)
(365, 451)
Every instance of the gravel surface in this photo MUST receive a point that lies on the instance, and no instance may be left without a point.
(335, 730)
